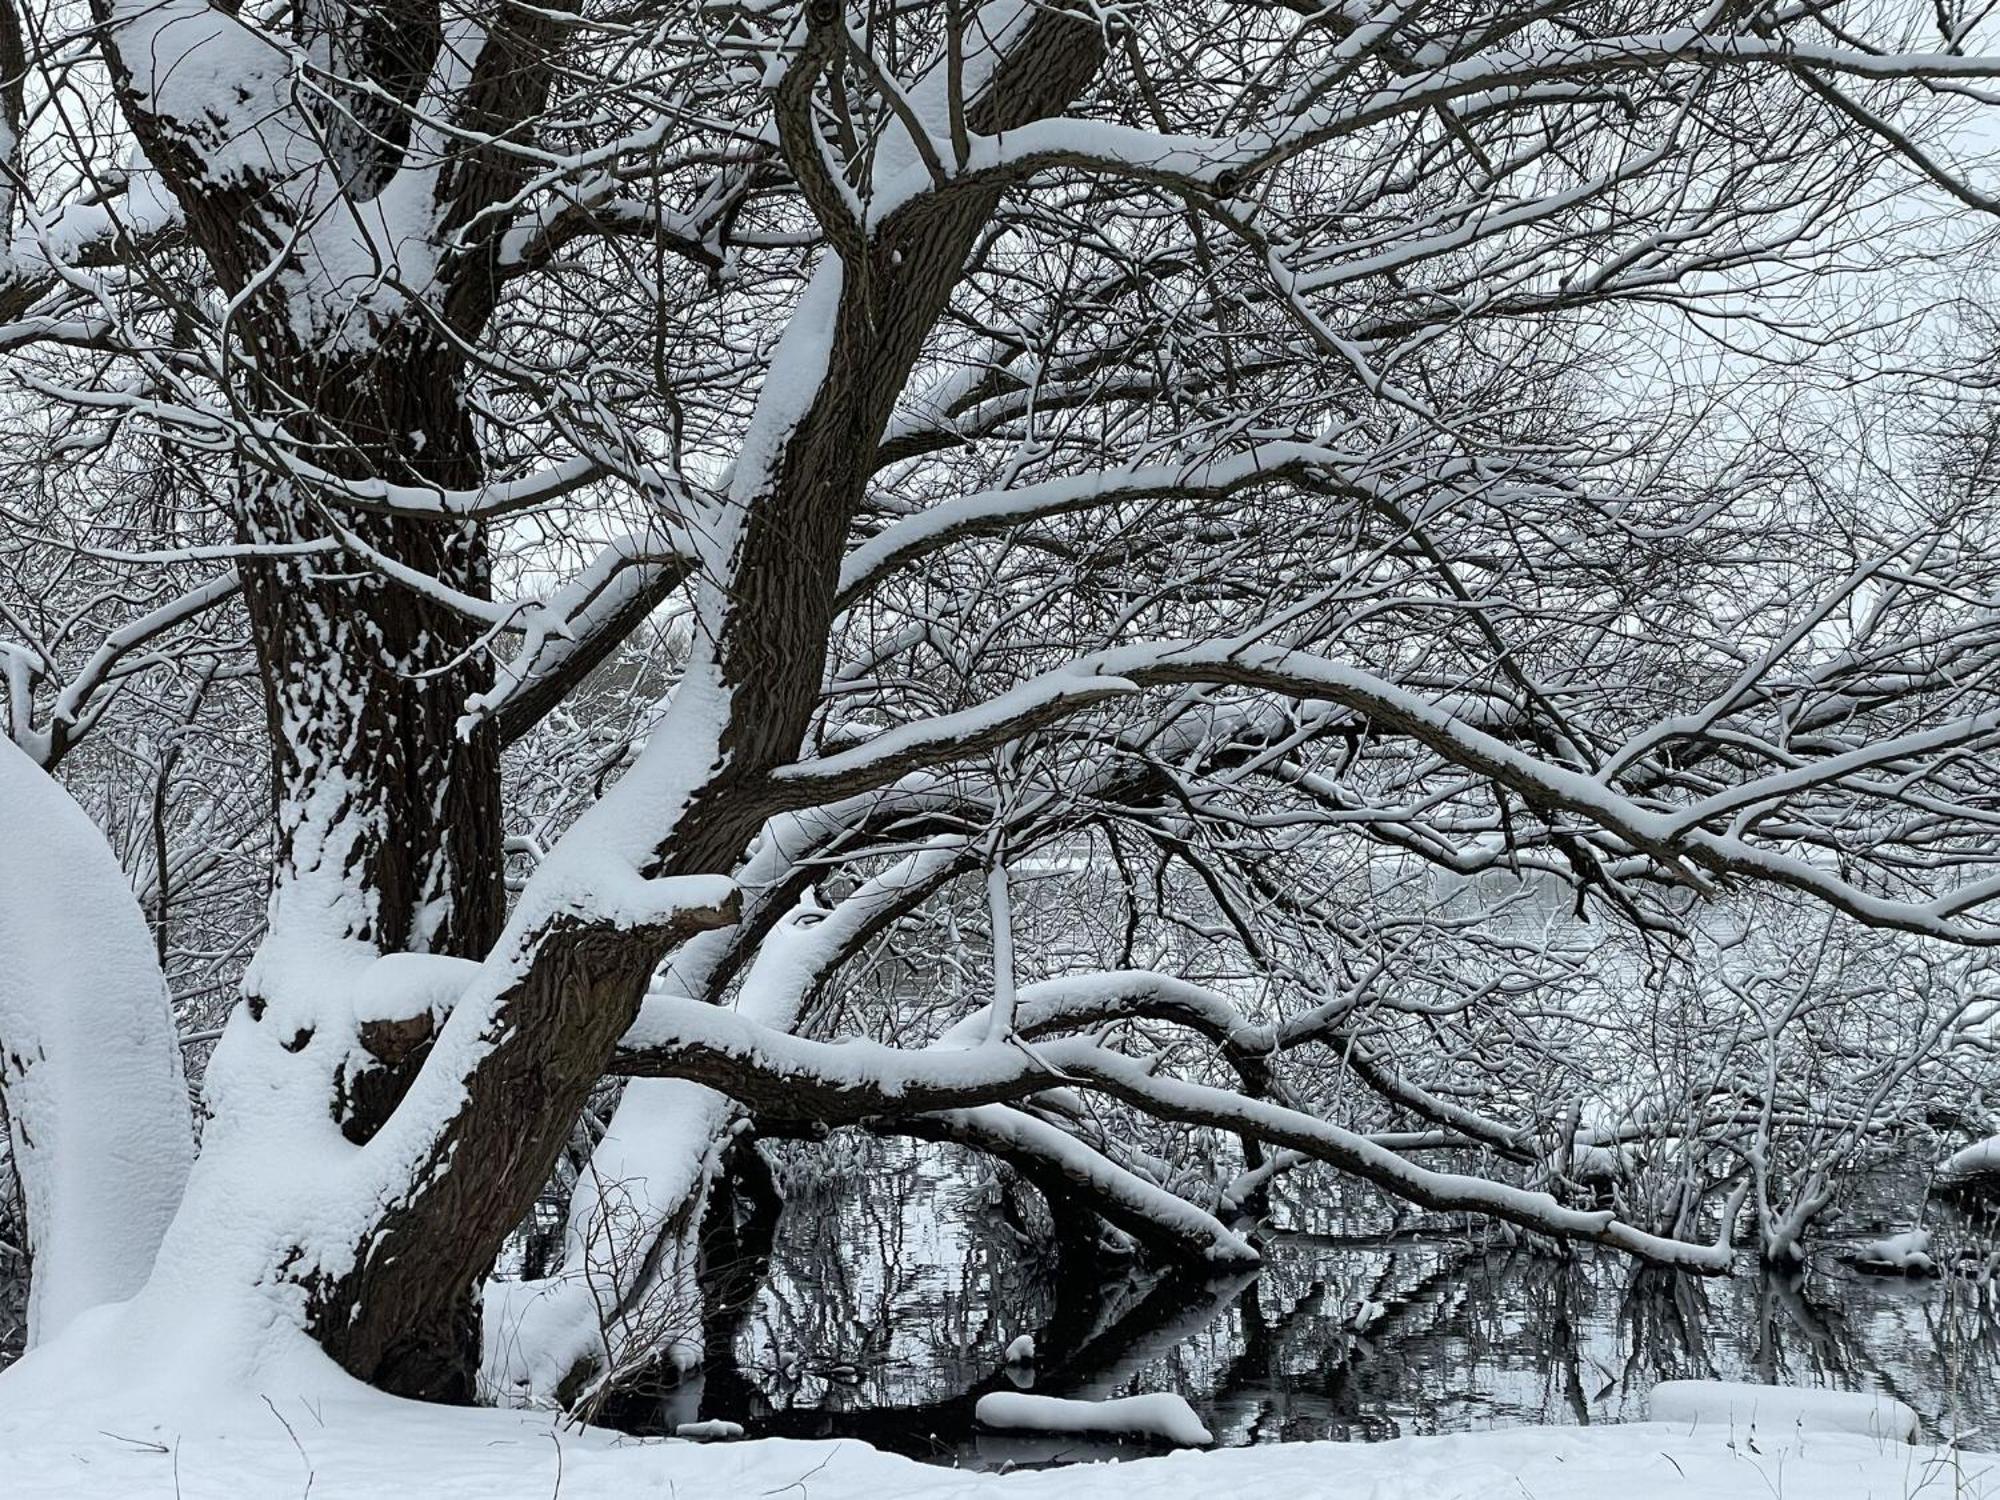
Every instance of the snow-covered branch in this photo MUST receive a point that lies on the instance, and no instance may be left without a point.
(790, 1078)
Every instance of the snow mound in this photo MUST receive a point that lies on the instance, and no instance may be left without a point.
(1165, 1417)
(1776, 1408)
(97, 1108)
(1022, 1350)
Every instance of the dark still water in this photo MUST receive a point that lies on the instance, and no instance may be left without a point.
(897, 1282)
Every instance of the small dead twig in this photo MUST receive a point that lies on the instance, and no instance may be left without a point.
(144, 1445)
(799, 1484)
(295, 1443)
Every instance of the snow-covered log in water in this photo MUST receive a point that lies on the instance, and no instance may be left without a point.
(1158, 1417)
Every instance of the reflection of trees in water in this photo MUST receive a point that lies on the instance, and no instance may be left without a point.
(1661, 1326)
(1459, 1329)
(892, 1290)
(906, 1286)
(895, 1285)
(907, 1279)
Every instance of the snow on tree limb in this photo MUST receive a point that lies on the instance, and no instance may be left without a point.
(1673, 838)
(854, 1080)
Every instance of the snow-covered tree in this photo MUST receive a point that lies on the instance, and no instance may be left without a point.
(1155, 488)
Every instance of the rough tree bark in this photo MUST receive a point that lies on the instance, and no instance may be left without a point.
(388, 816)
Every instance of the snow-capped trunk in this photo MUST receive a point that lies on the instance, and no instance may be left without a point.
(330, 239)
(622, 1300)
(90, 1068)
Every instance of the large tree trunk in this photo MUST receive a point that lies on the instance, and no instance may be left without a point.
(384, 1111)
(388, 817)
(809, 455)
(389, 820)
(366, 681)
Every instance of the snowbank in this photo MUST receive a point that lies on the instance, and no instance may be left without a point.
(1163, 1416)
(1780, 1409)
(90, 1070)
(363, 1449)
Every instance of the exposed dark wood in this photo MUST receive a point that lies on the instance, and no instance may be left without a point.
(397, 1318)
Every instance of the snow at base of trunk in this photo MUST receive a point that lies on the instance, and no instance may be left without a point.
(89, 1064)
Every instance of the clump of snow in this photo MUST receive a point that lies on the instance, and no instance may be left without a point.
(1773, 1408)
(1160, 1415)
(403, 986)
(1906, 1254)
(1022, 1350)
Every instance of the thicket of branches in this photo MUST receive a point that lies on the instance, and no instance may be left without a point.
(1169, 594)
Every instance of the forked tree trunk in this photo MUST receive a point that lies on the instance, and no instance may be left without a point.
(867, 315)
(381, 1168)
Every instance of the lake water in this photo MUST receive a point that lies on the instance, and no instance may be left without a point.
(895, 1285)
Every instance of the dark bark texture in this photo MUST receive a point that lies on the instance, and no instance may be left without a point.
(366, 679)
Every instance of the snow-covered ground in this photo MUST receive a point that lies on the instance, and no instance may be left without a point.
(1757, 1411)
(362, 1447)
